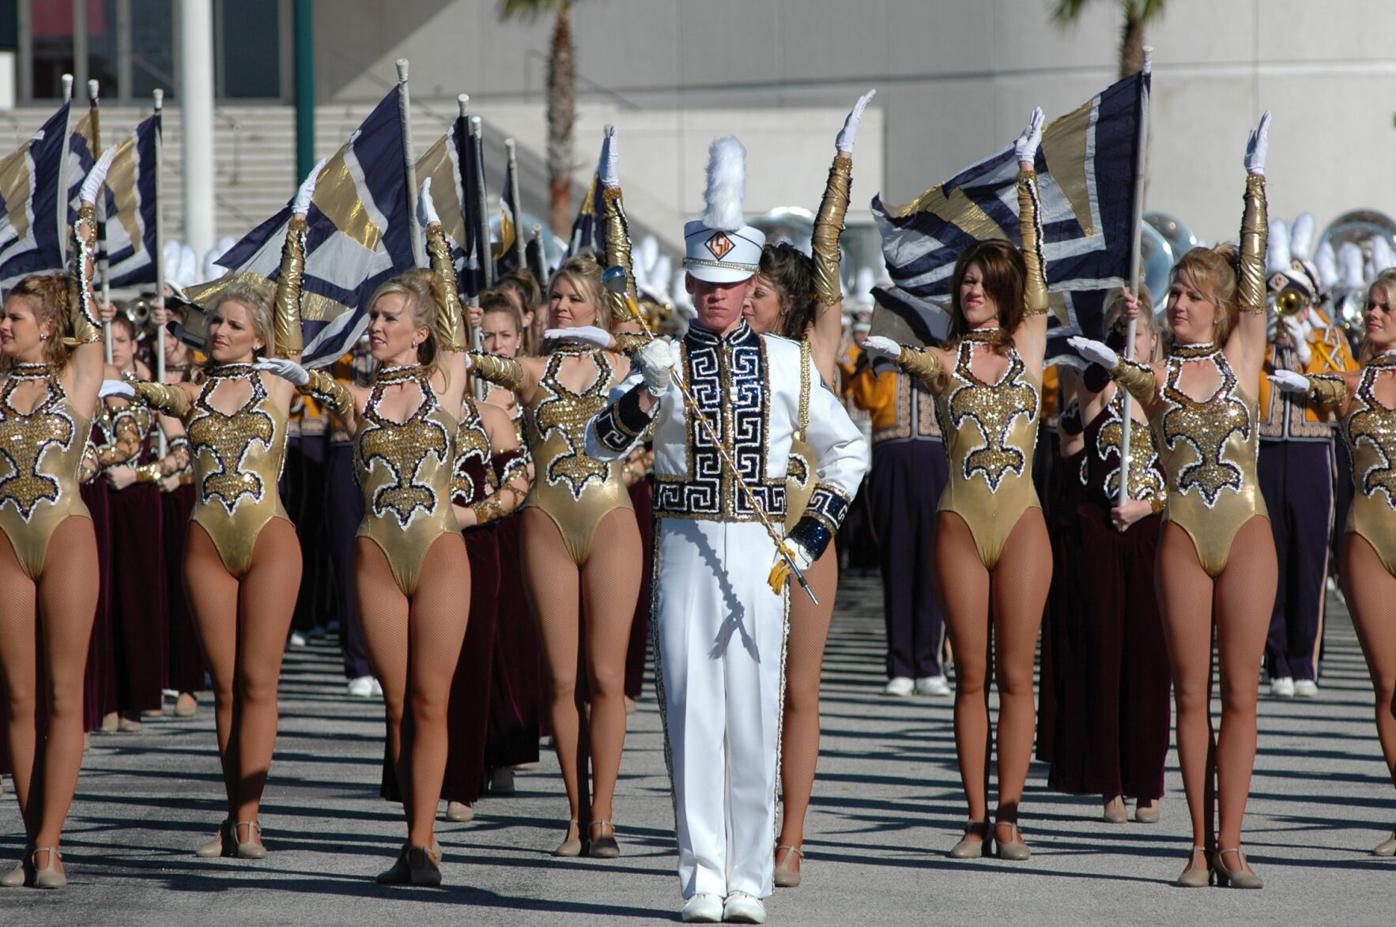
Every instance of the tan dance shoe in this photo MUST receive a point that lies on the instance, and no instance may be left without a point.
(1195, 876)
(974, 843)
(224, 843)
(572, 845)
(600, 844)
(460, 812)
(1386, 847)
(1235, 878)
(249, 849)
(1115, 811)
(1014, 848)
(786, 875)
(50, 876)
(1146, 813)
(19, 875)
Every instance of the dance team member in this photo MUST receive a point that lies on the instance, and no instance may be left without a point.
(580, 544)
(992, 557)
(242, 563)
(1367, 403)
(1216, 559)
(51, 340)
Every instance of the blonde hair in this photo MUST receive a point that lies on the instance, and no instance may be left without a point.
(423, 297)
(51, 296)
(257, 299)
(1114, 316)
(584, 273)
(1386, 281)
(1212, 272)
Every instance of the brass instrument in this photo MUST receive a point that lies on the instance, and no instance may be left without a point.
(1361, 227)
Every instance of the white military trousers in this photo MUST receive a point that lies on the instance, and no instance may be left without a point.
(720, 639)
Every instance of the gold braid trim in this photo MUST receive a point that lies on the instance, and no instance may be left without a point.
(1030, 228)
(286, 312)
(1250, 276)
(1138, 378)
(828, 226)
(618, 251)
(503, 371)
(165, 397)
(920, 362)
(331, 392)
(82, 314)
(450, 317)
(1328, 390)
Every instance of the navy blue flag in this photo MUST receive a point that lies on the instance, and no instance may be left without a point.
(1086, 166)
(130, 208)
(359, 236)
(587, 232)
(505, 256)
(82, 157)
(30, 234)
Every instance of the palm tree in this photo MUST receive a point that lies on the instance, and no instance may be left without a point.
(1138, 14)
(562, 101)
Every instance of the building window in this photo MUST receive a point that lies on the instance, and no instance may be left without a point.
(248, 42)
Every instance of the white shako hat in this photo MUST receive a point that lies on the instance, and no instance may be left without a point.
(721, 247)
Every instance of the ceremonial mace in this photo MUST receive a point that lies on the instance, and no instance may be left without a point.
(615, 280)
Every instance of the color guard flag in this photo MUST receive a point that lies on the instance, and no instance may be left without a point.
(130, 207)
(30, 237)
(360, 235)
(1086, 173)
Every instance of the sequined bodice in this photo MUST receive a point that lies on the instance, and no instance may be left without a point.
(40, 451)
(1101, 465)
(473, 477)
(1370, 431)
(556, 422)
(990, 429)
(404, 468)
(237, 456)
(1209, 447)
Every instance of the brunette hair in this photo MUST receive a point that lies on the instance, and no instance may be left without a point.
(522, 281)
(51, 296)
(1115, 320)
(791, 272)
(495, 301)
(1004, 273)
(1212, 272)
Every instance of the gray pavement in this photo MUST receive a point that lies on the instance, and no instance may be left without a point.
(886, 807)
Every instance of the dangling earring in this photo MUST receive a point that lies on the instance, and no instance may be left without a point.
(43, 337)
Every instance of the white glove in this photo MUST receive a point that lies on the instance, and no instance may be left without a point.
(92, 183)
(849, 132)
(1299, 337)
(656, 363)
(1258, 146)
(285, 369)
(882, 346)
(1026, 145)
(115, 388)
(781, 572)
(1287, 381)
(300, 203)
(426, 207)
(1095, 352)
(582, 334)
(610, 159)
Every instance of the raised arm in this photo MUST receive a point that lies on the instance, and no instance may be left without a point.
(452, 340)
(617, 229)
(87, 363)
(828, 227)
(1031, 336)
(1245, 346)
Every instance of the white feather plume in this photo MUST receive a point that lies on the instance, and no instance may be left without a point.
(863, 286)
(1301, 237)
(1327, 263)
(682, 301)
(1382, 256)
(662, 274)
(647, 253)
(1277, 247)
(1350, 263)
(726, 185)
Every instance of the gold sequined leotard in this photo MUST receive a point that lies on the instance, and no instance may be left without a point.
(40, 453)
(990, 433)
(1208, 450)
(404, 470)
(574, 490)
(1370, 431)
(237, 461)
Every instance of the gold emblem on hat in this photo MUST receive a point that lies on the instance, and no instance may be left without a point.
(719, 245)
